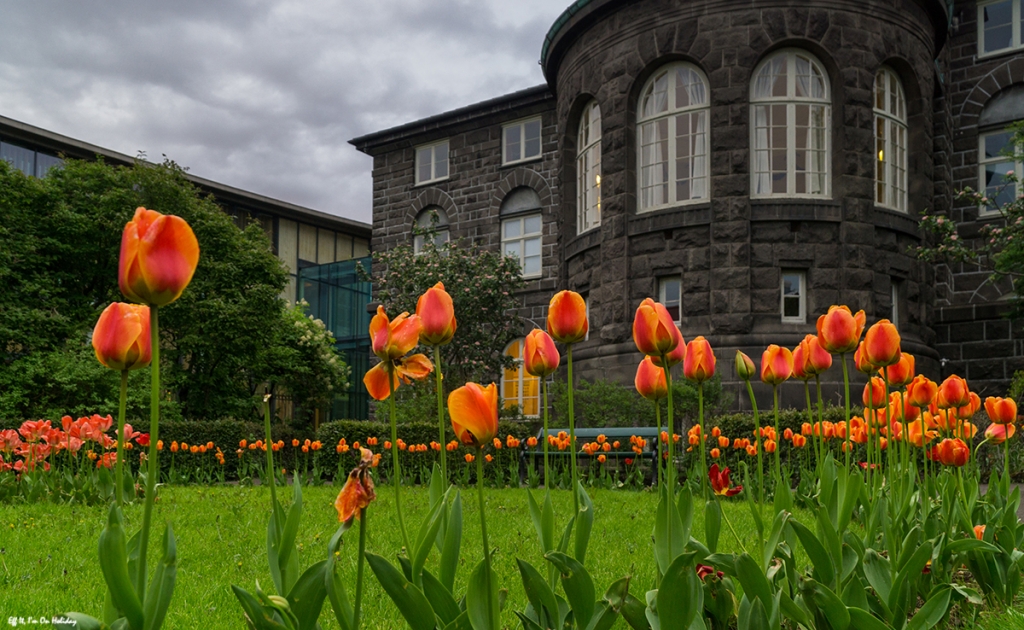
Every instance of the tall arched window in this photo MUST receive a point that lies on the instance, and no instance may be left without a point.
(890, 141)
(790, 113)
(588, 169)
(430, 219)
(672, 137)
(517, 386)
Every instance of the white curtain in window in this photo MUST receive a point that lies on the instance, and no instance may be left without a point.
(698, 158)
(762, 168)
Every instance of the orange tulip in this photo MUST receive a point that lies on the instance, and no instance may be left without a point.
(860, 361)
(799, 441)
(921, 391)
(798, 364)
(650, 380)
(715, 453)
(469, 458)
(882, 344)
(540, 356)
(953, 452)
(979, 532)
(776, 365)
(437, 316)
(531, 441)
(972, 406)
(654, 332)
(601, 459)
(744, 366)
(874, 393)
(159, 254)
(770, 446)
(121, 337)
(1001, 410)
(953, 393)
(999, 433)
(699, 364)
(902, 372)
(474, 413)
(416, 366)
(918, 434)
(814, 359)
(567, 317)
(393, 339)
(839, 331)
(358, 491)
(678, 354)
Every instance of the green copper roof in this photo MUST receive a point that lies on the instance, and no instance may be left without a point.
(559, 23)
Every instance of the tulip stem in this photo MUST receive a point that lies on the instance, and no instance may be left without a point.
(846, 401)
(544, 389)
(397, 472)
(821, 423)
(757, 442)
(359, 569)
(778, 461)
(657, 442)
(491, 614)
(671, 464)
(440, 415)
(154, 430)
(572, 437)
(1006, 459)
(810, 416)
(271, 477)
(731, 528)
(702, 438)
(119, 489)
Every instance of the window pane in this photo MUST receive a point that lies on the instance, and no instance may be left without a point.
(441, 161)
(791, 284)
(423, 164)
(512, 143)
(996, 143)
(512, 228)
(532, 224)
(995, 179)
(45, 162)
(441, 238)
(656, 99)
(19, 157)
(532, 247)
(791, 307)
(531, 265)
(512, 249)
(998, 25)
(532, 145)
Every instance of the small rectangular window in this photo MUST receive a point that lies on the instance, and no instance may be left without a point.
(670, 294)
(994, 168)
(999, 26)
(521, 141)
(521, 238)
(432, 163)
(794, 290)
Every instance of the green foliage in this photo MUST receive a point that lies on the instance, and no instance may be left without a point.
(602, 403)
(228, 335)
(482, 285)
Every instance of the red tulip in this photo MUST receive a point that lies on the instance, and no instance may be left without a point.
(437, 316)
(474, 412)
(720, 482)
(159, 254)
(653, 329)
(921, 391)
(121, 337)
(744, 366)
(776, 365)
(882, 344)
(1001, 410)
(540, 356)
(902, 372)
(953, 452)
(392, 339)
(839, 331)
(699, 364)
(650, 380)
(567, 317)
(953, 393)
(999, 433)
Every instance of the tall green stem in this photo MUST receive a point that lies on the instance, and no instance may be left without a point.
(119, 489)
(154, 436)
(657, 415)
(700, 443)
(1006, 460)
(671, 464)
(397, 470)
(846, 401)
(271, 477)
(359, 569)
(572, 438)
(544, 388)
(757, 442)
(778, 462)
(483, 523)
(810, 417)
(440, 415)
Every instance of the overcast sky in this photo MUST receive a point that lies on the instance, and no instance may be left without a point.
(262, 95)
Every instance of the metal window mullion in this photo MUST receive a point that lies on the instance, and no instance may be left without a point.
(670, 197)
(791, 148)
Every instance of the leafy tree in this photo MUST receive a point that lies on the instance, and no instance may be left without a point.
(228, 335)
(483, 287)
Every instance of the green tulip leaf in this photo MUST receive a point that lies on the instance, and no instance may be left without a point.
(539, 594)
(114, 565)
(712, 524)
(584, 523)
(161, 588)
(411, 602)
(307, 596)
(449, 563)
(680, 596)
(482, 598)
(933, 610)
(440, 598)
(863, 620)
(579, 587)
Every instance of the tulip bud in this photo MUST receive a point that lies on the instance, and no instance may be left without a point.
(437, 316)
(839, 331)
(776, 365)
(882, 344)
(650, 380)
(814, 358)
(540, 356)
(121, 337)
(567, 317)
(699, 364)
(159, 255)
(653, 329)
(744, 366)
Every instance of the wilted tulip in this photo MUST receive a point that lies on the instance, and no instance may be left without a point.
(882, 344)
(699, 364)
(159, 254)
(540, 356)
(650, 380)
(654, 332)
(839, 331)
(567, 317)
(474, 413)
(776, 365)
(393, 339)
(437, 316)
(358, 491)
(121, 337)
(1001, 410)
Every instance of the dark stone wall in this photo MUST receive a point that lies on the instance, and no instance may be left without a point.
(730, 250)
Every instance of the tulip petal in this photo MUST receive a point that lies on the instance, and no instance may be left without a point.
(474, 413)
(376, 382)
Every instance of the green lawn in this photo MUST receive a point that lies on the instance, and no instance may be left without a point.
(48, 552)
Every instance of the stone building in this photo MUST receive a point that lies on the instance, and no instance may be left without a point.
(747, 163)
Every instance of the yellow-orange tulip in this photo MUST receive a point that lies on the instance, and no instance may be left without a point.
(744, 366)
(650, 380)
(918, 434)
(999, 433)
(677, 355)
(474, 412)
(654, 332)
(699, 364)
(902, 372)
(540, 356)
(882, 344)
(392, 339)
(776, 365)
(953, 392)
(121, 337)
(874, 393)
(921, 391)
(972, 407)
(1001, 410)
(567, 317)
(839, 331)
(437, 316)
(159, 254)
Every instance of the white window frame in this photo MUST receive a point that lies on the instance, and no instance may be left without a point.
(891, 154)
(420, 240)
(662, 294)
(432, 147)
(521, 240)
(802, 274)
(588, 169)
(522, 377)
(521, 124)
(985, 210)
(1016, 37)
(702, 110)
(790, 101)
